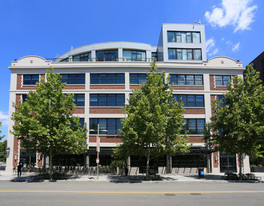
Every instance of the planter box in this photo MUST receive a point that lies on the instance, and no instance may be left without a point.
(257, 169)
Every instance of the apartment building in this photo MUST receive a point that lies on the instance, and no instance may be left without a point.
(102, 76)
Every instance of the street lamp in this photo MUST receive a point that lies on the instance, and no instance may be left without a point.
(98, 146)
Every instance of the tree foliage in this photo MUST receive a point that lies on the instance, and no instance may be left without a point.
(1, 137)
(3, 146)
(237, 127)
(45, 123)
(153, 120)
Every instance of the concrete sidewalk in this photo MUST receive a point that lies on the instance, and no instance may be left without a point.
(29, 177)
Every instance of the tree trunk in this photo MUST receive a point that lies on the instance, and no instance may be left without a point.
(147, 169)
(50, 165)
(240, 166)
(168, 165)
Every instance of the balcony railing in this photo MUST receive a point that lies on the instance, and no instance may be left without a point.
(98, 60)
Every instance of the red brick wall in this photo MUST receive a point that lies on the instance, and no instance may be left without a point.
(20, 83)
(195, 139)
(74, 86)
(187, 87)
(106, 139)
(194, 111)
(107, 86)
(216, 159)
(106, 111)
(79, 110)
(134, 87)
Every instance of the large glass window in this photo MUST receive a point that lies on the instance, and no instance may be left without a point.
(220, 98)
(107, 55)
(181, 79)
(137, 78)
(106, 125)
(184, 37)
(134, 55)
(185, 54)
(107, 100)
(79, 100)
(193, 126)
(24, 98)
(107, 78)
(73, 78)
(190, 100)
(221, 80)
(30, 79)
(82, 57)
(81, 121)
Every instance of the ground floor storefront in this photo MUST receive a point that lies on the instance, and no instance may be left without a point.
(197, 158)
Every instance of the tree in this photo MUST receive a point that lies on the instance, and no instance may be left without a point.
(45, 123)
(153, 120)
(1, 137)
(238, 127)
(3, 146)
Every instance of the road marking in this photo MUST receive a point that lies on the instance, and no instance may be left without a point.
(128, 192)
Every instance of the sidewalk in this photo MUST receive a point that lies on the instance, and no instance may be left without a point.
(29, 177)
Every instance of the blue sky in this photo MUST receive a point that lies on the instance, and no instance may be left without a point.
(49, 28)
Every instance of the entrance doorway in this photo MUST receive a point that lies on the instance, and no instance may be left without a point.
(227, 162)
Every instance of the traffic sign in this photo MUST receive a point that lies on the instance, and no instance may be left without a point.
(97, 160)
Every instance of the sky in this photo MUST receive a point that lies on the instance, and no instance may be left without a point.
(48, 28)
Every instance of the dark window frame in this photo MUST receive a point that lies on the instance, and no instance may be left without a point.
(82, 57)
(188, 34)
(138, 80)
(79, 80)
(107, 102)
(222, 80)
(108, 55)
(77, 102)
(186, 104)
(136, 53)
(107, 126)
(187, 126)
(31, 80)
(179, 53)
(95, 78)
(177, 79)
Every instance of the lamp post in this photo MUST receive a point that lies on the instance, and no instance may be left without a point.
(98, 147)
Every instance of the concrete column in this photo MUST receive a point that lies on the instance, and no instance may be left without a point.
(126, 80)
(120, 54)
(93, 55)
(87, 160)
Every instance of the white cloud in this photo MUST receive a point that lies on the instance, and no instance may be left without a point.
(236, 47)
(237, 13)
(210, 47)
(3, 118)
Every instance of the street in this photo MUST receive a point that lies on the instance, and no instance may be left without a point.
(150, 193)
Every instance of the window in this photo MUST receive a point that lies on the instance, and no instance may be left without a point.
(82, 57)
(222, 80)
(220, 98)
(79, 100)
(190, 100)
(107, 100)
(194, 126)
(181, 79)
(154, 55)
(30, 79)
(107, 55)
(137, 78)
(133, 55)
(185, 54)
(184, 37)
(24, 98)
(81, 121)
(73, 78)
(106, 126)
(107, 78)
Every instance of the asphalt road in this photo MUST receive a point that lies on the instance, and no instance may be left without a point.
(105, 193)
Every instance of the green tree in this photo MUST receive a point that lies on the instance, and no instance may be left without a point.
(1, 137)
(45, 122)
(3, 146)
(153, 120)
(237, 127)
